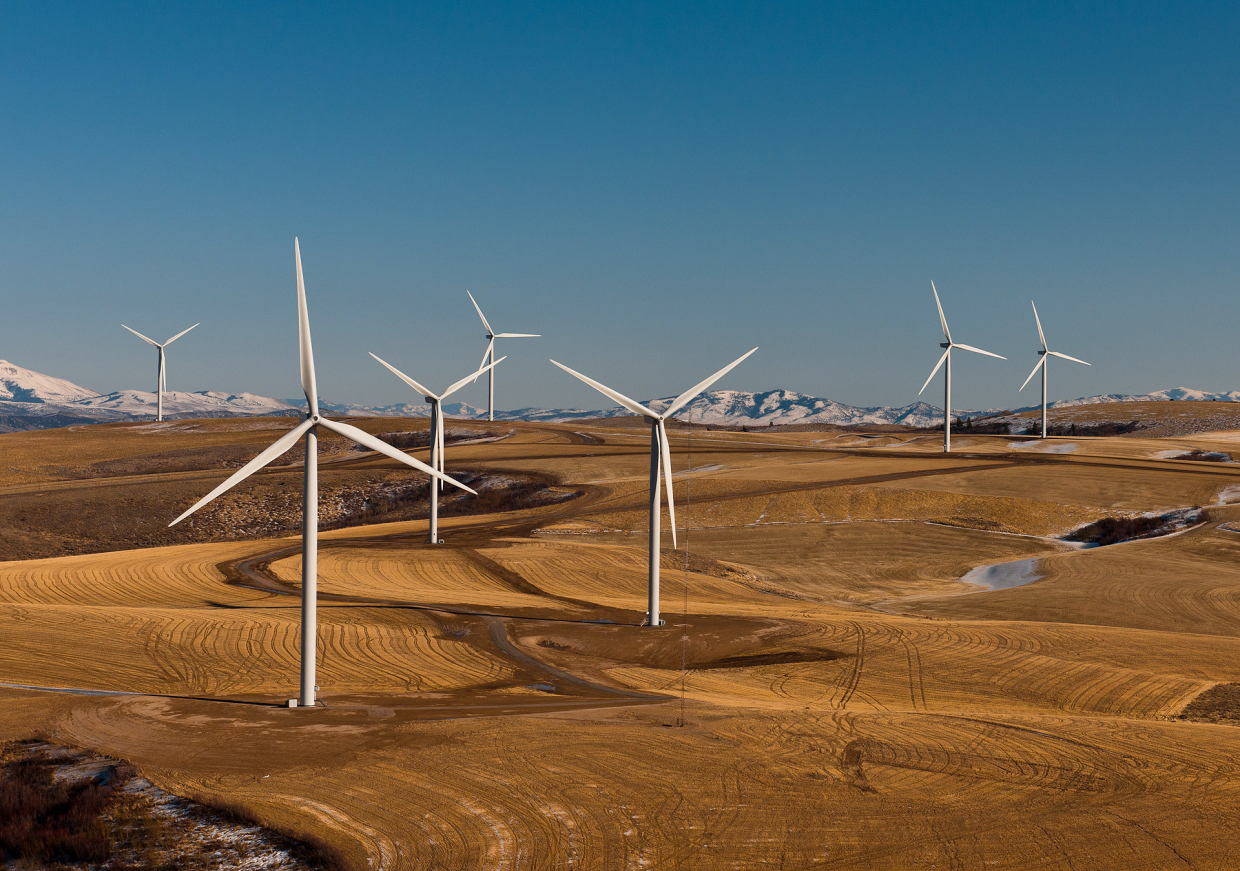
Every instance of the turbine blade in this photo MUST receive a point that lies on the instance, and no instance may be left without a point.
(1041, 361)
(486, 355)
(177, 336)
(434, 433)
(635, 407)
(935, 371)
(140, 336)
(1041, 336)
(439, 440)
(163, 372)
(303, 336)
(1066, 357)
(490, 332)
(688, 396)
(518, 336)
(942, 318)
(366, 440)
(279, 447)
(666, 450)
(469, 379)
(976, 350)
(403, 377)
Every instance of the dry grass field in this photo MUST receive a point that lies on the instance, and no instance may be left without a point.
(827, 692)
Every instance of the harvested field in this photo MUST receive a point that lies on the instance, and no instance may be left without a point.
(827, 692)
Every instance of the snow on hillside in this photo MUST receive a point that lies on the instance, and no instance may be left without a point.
(1185, 394)
(404, 409)
(23, 385)
(205, 403)
(719, 407)
(31, 400)
(735, 407)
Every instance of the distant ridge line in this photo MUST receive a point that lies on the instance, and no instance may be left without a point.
(32, 400)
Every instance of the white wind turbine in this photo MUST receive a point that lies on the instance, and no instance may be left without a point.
(161, 382)
(490, 354)
(310, 494)
(660, 465)
(437, 441)
(947, 381)
(1043, 354)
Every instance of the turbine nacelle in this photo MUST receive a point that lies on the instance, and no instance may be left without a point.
(489, 353)
(946, 357)
(1043, 354)
(437, 433)
(161, 381)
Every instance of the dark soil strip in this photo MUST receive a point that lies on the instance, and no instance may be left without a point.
(1219, 704)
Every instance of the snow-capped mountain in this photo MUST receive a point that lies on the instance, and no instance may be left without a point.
(747, 408)
(735, 407)
(719, 407)
(31, 400)
(25, 385)
(204, 403)
(404, 409)
(1185, 394)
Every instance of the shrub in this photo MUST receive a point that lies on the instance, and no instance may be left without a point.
(1107, 428)
(1110, 530)
(44, 820)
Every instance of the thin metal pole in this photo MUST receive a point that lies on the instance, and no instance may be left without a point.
(1043, 396)
(434, 534)
(309, 569)
(159, 387)
(947, 405)
(655, 537)
(491, 382)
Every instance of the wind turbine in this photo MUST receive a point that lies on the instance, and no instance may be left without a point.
(1044, 353)
(310, 494)
(161, 383)
(947, 380)
(660, 465)
(490, 354)
(436, 429)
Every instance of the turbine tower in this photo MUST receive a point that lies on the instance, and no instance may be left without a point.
(310, 494)
(660, 465)
(490, 354)
(1043, 354)
(437, 441)
(161, 382)
(947, 380)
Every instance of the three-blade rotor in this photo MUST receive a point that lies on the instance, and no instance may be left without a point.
(162, 382)
(429, 394)
(949, 344)
(659, 420)
(437, 437)
(492, 335)
(155, 343)
(313, 420)
(1046, 351)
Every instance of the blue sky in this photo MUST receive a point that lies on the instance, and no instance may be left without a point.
(655, 188)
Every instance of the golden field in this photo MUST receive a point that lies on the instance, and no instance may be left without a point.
(848, 701)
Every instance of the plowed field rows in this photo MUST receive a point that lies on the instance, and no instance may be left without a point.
(848, 701)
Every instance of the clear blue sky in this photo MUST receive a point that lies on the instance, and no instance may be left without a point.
(654, 187)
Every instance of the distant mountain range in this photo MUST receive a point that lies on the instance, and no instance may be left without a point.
(31, 400)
